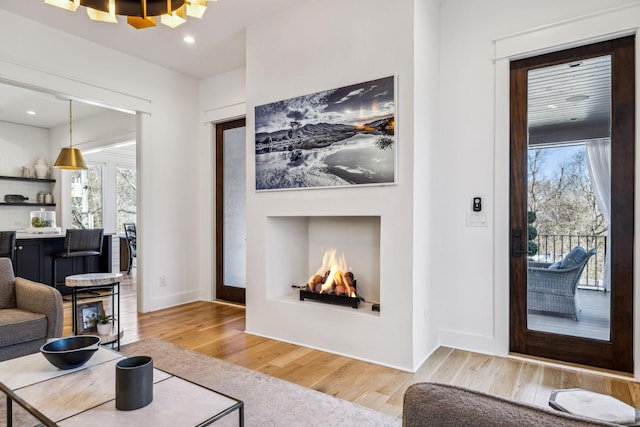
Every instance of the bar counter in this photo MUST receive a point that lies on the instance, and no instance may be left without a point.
(34, 259)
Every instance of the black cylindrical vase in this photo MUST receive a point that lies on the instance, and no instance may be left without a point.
(134, 383)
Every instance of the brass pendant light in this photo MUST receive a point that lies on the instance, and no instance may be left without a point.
(140, 13)
(69, 157)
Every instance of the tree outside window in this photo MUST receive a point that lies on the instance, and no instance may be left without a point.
(126, 197)
(86, 197)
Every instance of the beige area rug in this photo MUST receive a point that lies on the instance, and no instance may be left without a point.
(268, 401)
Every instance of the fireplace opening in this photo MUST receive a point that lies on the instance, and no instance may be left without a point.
(333, 283)
(295, 247)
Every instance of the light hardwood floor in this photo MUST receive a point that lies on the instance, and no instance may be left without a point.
(217, 330)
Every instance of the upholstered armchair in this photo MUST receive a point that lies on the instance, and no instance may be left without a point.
(552, 288)
(30, 313)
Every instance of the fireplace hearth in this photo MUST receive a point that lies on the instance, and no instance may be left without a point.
(335, 299)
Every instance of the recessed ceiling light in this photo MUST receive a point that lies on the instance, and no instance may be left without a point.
(31, 112)
(552, 106)
(577, 98)
(189, 39)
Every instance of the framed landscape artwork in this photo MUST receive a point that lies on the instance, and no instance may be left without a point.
(334, 138)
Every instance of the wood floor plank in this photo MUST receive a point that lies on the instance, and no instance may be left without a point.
(316, 368)
(527, 383)
(423, 374)
(372, 399)
(478, 372)
(451, 367)
(292, 356)
(551, 379)
(634, 392)
(505, 381)
(217, 330)
(620, 390)
(344, 384)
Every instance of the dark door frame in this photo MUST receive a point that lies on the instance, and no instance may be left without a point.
(226, 293)
(616, 354)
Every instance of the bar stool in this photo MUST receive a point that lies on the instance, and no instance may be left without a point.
(83, 243)
(132, 243)
(8, 245)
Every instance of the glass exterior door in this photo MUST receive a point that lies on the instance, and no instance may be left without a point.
(569, 198)
(572, 205)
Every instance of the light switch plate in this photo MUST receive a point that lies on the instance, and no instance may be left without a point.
(476, 219)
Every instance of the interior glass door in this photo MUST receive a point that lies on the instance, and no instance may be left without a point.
(231, 233)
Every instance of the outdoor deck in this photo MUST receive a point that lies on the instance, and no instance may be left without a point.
(593, 320)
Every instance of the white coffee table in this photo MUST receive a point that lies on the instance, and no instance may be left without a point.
(86, 395)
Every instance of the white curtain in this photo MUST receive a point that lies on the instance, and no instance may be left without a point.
(599, 164)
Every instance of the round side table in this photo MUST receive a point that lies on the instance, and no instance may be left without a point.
(91, 282)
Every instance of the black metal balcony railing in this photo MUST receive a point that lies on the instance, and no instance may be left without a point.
(552, 247)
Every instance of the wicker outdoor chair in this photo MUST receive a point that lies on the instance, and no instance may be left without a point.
(553, 290)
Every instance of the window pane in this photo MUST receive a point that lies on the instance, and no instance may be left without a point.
(234, 191)
(86, 197)
(569, 198)
(126, 197)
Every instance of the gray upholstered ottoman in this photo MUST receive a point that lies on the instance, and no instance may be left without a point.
(430, 404)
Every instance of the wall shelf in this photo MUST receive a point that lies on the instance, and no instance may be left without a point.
(26, 204)
(20, 178)
(16, 179)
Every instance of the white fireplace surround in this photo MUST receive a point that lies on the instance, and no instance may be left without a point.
(288, 249)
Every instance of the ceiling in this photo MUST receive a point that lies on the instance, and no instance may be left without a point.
(48, 110)
(570, 101)
(219, 36)
(51, 111)
(219, 47)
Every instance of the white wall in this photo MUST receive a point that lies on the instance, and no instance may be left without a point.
(222, 98)
(42, 56)
(472, 276)
(20, 146)
(349, 42)
(426, 103)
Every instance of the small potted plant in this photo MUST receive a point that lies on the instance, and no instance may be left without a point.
(104, 323)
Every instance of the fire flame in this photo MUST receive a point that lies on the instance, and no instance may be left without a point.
(333, 276)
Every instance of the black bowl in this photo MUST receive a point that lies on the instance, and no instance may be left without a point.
(70, 352)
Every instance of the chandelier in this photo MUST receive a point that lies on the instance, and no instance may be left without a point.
(140, 13)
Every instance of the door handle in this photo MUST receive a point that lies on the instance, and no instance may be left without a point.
(516, 243)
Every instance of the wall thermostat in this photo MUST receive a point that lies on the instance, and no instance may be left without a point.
(477, 204)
